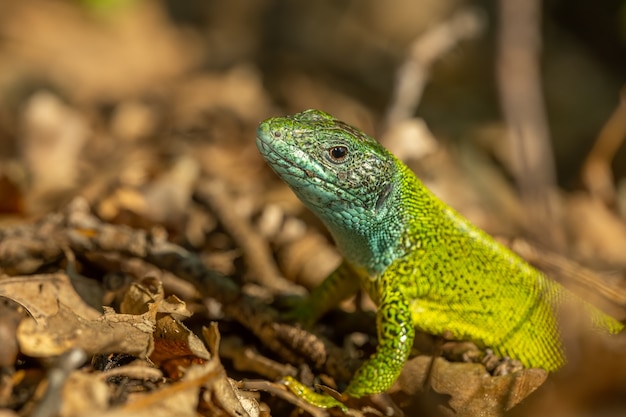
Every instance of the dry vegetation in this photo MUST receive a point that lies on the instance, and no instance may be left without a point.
(146, 249)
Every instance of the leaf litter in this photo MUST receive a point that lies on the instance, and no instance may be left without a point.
(139, 218)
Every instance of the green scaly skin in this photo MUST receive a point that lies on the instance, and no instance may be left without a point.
(423, 264)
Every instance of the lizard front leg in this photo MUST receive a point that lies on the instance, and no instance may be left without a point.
(395, 338)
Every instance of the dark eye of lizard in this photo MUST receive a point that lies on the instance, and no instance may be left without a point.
(338, 153)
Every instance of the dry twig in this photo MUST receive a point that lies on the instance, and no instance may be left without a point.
(596, 173)
(412, 75)
(255, 248)
(519, 82)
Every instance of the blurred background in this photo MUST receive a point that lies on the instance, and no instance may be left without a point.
(512, 111)
(97, 94)
(98, 56)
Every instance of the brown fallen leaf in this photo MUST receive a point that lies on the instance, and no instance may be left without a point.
(223, 390)
(183, 398)
(176, 347)
(41, 295)
(149, 292)
(112, 332)
(463, 389)
(61, 320)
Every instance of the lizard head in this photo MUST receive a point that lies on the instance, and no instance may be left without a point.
(330, 165)
(343, 175)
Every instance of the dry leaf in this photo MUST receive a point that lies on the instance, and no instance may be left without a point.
(466, 389)
(142, 297)
(181, 398)
(176, 347)
(41, 295)
(112, 332)
(222, 390)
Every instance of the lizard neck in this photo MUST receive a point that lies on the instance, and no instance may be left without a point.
(372, 238)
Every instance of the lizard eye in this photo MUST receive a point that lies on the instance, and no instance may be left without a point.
(338, 153)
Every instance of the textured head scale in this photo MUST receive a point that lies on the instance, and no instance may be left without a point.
(343, 175)
(329, 164)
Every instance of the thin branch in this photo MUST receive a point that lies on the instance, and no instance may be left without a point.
(255, 249)
(596, 173)
(519, 82)
(413, 74)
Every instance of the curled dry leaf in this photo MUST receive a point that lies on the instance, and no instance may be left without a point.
(222, 389)
(148, 295)
(176, 347)
(181, 398)
(112, 332)
(143, 296)
(41, 295)
(466, 389)
(61, 320)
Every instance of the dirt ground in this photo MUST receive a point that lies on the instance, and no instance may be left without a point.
(147, 251)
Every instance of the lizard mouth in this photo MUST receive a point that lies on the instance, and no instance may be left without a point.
(286, 168)
(279, 161)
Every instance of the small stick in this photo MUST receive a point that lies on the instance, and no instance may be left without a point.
(596, 173)
(519, 85)
(412, 75)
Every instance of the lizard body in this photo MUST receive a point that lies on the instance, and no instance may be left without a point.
(423, 264)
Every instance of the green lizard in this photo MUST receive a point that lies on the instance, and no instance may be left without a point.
(423, 264)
